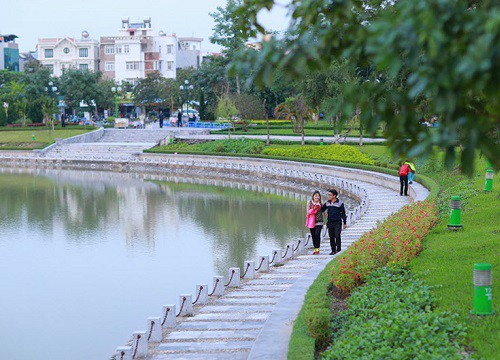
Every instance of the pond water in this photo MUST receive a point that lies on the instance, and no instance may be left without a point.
(86, 257)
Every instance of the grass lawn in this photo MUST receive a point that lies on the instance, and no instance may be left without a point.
(23, 139)
(448, 258)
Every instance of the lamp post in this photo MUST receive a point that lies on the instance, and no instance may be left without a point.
(115, 91)
(6, 108)
(186, 87)
(51, 89)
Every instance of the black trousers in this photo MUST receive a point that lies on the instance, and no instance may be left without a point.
(316, 235)
(404, 184)
(334, 230)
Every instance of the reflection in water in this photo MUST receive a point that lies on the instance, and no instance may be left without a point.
(81, 251)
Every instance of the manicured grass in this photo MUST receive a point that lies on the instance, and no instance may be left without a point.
(448, 259)
(302, 345)
(22, 139)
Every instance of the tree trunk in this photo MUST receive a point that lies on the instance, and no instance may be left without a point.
(302, 131)
(360, 134)
(267, 122)
(238, 91)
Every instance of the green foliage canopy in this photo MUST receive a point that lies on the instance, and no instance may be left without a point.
(429, 57)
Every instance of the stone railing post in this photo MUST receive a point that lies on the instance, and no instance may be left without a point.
(249, 270)
(140, 344)
(263, 264)
(201, 294)
(233, 277)
(169, 319)
(124, 353)
(154, 329)
(186, 307)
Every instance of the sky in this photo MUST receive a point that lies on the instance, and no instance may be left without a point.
(33, 19)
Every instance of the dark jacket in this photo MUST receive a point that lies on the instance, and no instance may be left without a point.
(336, 211)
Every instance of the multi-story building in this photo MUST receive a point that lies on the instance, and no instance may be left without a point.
(189, 53)
(136, 51)
(9, 52)
(58, 54)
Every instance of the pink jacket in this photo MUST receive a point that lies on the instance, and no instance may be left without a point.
(311, 217)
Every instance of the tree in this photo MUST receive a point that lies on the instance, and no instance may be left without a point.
(249, 108)
(441, 53)
(227, 32)
(296, 110)
(81, 85)
(226, 111)
(17, 92)
(150, 91)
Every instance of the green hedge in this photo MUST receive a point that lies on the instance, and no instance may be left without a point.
(392, 317)
(339, 153)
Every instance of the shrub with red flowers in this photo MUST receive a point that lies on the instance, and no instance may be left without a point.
(395, 241)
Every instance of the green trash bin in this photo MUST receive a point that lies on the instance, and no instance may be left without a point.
(488, 184)
(483, 295)
(455, 213)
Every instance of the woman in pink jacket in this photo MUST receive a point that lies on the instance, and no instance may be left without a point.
(314, 220)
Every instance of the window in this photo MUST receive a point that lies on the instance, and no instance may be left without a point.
(155, 65)
(159, 49)
(170, 49)
(83, 67)
(109, 66)
(132, 65)
(66, 50)
(49, 53)
(144, 47)
(126, 49)
(84, 52)
(109, 49)
(170, 65)
(50, 67)
(118, 49)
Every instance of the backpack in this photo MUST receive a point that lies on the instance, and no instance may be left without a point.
(404, 170)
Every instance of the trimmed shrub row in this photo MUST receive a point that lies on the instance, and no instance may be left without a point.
(392, 317)
(339, 153)
(396, 241)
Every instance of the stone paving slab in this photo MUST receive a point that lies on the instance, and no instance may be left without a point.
(247, 301)
(205, 346)
(230, 309)
(230, 317)
(217, 334)
(251, 294)
(233, 355)
(220, 325)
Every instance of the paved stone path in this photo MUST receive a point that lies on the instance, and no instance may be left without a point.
(255, 320)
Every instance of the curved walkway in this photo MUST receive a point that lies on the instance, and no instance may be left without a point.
(255, 321)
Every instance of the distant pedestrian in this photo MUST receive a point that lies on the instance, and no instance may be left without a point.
(161, 117)
(335, 217)
(179, 118)
(411, 174)
(314, 220)
(63, 120)
(403, 172)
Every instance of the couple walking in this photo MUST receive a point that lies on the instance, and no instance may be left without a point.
(335, 217)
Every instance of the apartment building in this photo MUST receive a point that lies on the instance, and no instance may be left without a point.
(58, 54)
(137, 51)
(9, 52)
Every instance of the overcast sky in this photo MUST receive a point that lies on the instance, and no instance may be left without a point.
(33, 19)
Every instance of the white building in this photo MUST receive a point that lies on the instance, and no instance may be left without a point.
(189, 52)
(58, 54)
(137, 51)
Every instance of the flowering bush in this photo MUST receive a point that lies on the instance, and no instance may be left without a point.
(329, 152)
(395, 241)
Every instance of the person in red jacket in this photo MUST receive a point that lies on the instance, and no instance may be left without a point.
(404, 170)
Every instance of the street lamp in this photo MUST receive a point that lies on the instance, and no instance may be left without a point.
(6, 108)
(115, 91)
(51, 89)
(187, 87)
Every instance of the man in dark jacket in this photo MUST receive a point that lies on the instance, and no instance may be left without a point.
(336, 215)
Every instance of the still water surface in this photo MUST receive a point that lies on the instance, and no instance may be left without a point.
(86, 257)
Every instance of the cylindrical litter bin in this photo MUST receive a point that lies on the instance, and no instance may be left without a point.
(488, 184)
(483, 295)
(456, 206)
